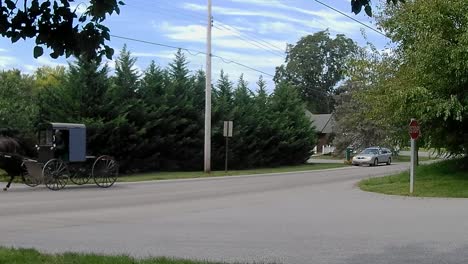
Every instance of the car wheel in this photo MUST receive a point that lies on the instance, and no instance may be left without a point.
(389, 161)
(376, 162)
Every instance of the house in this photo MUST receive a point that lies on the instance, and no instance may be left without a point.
(323, 124)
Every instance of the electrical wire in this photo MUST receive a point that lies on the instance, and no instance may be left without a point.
(261, 42)
(350, 17)
(257, 42)
(254, 43)
(195, 53)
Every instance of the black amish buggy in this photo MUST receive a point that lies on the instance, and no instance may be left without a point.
(61, 157)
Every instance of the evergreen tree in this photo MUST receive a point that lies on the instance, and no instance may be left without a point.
(261, 91)
(126, 126)
(198, 91)
(179, 71)
(126, 79)
(264, 131)
(88, 84)
(243, 144)
(295, 136)
(154, 85)
(221, 111)
(183, 141)
(153, 94)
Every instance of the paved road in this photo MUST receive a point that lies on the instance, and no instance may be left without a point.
(314, 217)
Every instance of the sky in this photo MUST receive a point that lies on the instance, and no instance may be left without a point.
(253, 33)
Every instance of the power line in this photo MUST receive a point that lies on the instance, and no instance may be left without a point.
(254, 43)
(185, 18)
(261, 42)
(160, 44)
(350, 17)
(197, 52)
(225, 60)
(235, 29)
(228, 61)
(250, 40)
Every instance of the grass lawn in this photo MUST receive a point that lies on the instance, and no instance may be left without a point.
(200, 174)
(31, 256)
(442, 179)
(328, 157)
(400, 158)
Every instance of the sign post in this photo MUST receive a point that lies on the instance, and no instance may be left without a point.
(414, 131)
(227, 133)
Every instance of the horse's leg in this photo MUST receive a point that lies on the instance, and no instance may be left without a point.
(9, 183)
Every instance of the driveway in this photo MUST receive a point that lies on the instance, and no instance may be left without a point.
(312, 217)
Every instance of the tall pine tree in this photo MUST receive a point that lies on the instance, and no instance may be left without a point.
(295, 136)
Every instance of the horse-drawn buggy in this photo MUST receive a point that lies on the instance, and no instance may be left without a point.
(62, 157)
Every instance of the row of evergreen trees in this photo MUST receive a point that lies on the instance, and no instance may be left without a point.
(155, 120)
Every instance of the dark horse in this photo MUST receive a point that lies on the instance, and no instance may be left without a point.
(11, 158)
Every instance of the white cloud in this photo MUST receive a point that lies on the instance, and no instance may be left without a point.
(320, 19)
(271, 3)
(222, 38)
(79, 8)
(274, 27)
(147, 54)
(195, 33)
(49, 62)
(8, 61)
(265, 62)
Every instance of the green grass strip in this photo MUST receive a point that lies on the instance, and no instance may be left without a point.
(32, 256)
(200, 174)
(442, 179)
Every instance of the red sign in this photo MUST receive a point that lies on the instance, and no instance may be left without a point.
(414, 129)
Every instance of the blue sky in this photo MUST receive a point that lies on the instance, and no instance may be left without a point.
(251, 32)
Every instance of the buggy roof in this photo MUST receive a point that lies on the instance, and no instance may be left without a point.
(64, 126)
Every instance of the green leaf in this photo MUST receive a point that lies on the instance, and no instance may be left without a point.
(368, 10)
(15, 37)
(10, 4)
(38, 51)
(109, 53)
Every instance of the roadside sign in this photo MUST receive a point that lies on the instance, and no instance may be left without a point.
(414, 129)
(228, 125)
(227, 133)
(414, 132)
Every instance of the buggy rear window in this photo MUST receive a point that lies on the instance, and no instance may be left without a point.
(45, 137)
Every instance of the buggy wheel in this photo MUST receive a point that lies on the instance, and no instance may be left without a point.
(27, 178)
(55, 173)
(105, 171)
(80, 176)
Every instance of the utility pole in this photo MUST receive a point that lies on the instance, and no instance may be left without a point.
(208, 93)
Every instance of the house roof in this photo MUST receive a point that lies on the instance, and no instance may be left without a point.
(323, 123)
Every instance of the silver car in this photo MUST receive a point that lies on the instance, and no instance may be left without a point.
(373, 156)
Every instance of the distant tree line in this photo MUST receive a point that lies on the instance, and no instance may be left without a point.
(155, 120)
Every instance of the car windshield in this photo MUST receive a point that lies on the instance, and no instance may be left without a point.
(370, 151)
